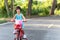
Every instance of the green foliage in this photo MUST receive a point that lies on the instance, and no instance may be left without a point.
(57, 12)
(3, 12)
(42, 14)
(42, 8)
(58, 1)
(2, 21)
(1, 3)
(38, 7)
(58, 6)
(23, 4)
(24, 11)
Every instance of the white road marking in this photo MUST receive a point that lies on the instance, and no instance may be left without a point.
(5, 23)
(37, 25)
(50, 25)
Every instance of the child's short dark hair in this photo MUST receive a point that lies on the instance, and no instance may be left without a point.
(18, 7)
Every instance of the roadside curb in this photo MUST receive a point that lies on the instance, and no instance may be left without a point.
(5, 23)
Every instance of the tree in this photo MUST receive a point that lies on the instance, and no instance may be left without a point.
(12, 7)
(29, 7)
(53, 7)
(6, 4)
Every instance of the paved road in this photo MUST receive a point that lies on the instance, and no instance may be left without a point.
(43, 28)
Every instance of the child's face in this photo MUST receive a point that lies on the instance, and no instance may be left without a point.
(18, 10)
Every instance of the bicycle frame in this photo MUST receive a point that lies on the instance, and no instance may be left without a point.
(20, 34)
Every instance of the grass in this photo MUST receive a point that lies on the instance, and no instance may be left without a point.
(2, 21)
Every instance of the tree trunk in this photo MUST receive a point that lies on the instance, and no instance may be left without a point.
(6, 4)
(12, 7)
(29, 8)
(53, 7)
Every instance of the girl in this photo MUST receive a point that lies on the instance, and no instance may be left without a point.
(18, 18)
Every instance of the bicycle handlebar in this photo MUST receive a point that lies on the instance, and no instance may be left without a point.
(14, 20)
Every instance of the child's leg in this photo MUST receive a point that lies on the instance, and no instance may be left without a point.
(21, 33)
(16, 37)
(24, 36)
(16, 33)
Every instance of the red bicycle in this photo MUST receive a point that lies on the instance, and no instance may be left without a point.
(19, 32)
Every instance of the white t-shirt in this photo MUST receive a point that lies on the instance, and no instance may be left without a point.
(18, 21)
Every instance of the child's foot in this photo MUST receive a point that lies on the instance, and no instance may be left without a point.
(24, 36)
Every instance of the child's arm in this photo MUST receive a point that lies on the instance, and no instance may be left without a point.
(13, 19)
(24, 19)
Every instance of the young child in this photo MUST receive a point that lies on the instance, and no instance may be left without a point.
(18, 18)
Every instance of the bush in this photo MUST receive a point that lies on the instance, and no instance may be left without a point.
(42, 14)
(41, 7)
(58, 6)
(2, 21)
(38, 8)
(24, 11)
(57, 12)
(37, 11)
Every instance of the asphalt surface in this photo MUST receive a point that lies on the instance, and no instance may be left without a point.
(43, 28)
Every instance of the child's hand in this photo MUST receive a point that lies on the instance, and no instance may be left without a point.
(12, 20)
(24, 20)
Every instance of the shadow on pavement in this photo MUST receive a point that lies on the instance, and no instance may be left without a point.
(36, 34)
